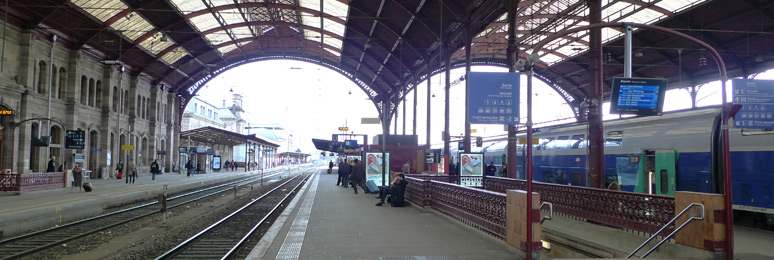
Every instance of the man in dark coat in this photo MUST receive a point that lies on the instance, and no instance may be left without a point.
(452, 168)
(154, 169)
(189, 168)
(490, 170)
(358, 175)
(51, 164)
(343, 171)
(330, 167)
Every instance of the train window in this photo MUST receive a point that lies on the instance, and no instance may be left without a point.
(576, 178)
(561, 142)
(610, 178)
(664, 181)
(614, 138)
(561, 177)
(548, 176)
(577, 141)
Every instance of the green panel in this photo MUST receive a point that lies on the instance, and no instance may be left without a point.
(665, 168)
(642, 177)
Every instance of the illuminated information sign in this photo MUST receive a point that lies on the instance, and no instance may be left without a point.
(493, 98)
(74, 139)
(6, 112)
(637, 96)
(757, 100)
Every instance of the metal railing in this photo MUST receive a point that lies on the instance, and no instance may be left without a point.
(32, 181)
(550, 211)
(666, 238)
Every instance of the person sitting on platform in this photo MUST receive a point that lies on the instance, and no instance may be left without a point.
(397, 189)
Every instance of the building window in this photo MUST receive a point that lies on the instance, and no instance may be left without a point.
(201, 112)
(216, 116)
(209, 113)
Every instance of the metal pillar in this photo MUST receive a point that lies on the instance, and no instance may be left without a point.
(429, 93)
(404, 113)
(596, 160)
(511, 52)
(446, 147)
(628, 50)
(468, 46)
(414, 129)
(529, 163)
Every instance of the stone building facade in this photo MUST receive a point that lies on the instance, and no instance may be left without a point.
(112, 106)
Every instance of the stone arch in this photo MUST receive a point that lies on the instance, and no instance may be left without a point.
(115, 98)
(54, 86)
(92, 94)
(41, 84)
(6, 135)
(34, 157)
(98, 102)
(93, 160)
(84, 90)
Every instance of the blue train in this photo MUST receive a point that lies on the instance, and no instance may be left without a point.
(679, 151)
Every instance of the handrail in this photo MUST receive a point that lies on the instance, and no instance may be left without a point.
(550, 211)
(670, 234)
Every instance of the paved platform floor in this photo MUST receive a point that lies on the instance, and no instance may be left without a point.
(331, 222)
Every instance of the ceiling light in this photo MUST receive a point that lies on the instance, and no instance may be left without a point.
(638, 53)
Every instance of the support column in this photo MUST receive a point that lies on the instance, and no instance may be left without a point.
(596, 159)
(429, 93)
(108, 123)
(511, 54)
(446, 148)
(404, 113)
(468, 45)
(414, 128)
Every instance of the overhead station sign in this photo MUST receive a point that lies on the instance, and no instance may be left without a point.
(757, 100)
(493, 98)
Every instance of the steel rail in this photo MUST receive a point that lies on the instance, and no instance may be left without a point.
(128, 212)
(190, 241)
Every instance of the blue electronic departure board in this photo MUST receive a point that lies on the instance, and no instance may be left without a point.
(640, 96)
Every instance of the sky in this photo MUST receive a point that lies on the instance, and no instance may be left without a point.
(313, 102)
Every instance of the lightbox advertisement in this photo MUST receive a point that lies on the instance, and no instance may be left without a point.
(374, 163)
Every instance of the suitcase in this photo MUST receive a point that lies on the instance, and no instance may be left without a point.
(398, 198)
(87, 187)
(120, 175)
(329, 171)
(371, 185)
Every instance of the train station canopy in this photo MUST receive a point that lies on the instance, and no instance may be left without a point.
(389, 46)
(212, 135)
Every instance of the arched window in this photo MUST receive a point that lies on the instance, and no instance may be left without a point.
(54, 87)
(99, 94)
(138, 109)
(92, 93)
(115, 99)
(84, 90)
(124, 108)
(62, 83)
(42, 77)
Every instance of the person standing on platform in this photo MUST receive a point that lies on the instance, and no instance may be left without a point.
(120, 170)
(330, 167)
(51, 164)
(344, 170)
(198, 167)
(452, 168)
(358, 176)
(132, 173)
(189, 168)
(226, 165)
(154, 169)
(490, 170)
(406, 167)
(504, 170)
(77, 178)
(233, 165)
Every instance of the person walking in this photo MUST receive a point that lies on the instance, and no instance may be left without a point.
(132, 173)
(77, 178)
(330, 167)
(154, 169)
(51, 164)
(233, 165)
(226, 165)
(406, 167)
(189, 167)
(358, 176)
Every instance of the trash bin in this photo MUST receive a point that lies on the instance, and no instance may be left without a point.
(104, 173)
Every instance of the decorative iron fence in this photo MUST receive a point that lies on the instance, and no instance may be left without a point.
(484, 210)
(42, 181)
(634, 211)
(10, 182)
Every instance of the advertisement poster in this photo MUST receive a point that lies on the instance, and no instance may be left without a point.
(472, 169)
(441, 166)
(373, 165)
(216, 163)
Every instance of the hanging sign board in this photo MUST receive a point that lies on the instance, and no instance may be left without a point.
(494, 98)
(74, 139)
(127, 147)
(369, 121)
(639, 96)
(757, 100)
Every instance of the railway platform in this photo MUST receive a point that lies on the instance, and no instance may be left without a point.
(47, 208)
(331, 222)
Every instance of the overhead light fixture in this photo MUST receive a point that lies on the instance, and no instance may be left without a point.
(758, 58)
(638, 53)
(350, 92)
(164, 38)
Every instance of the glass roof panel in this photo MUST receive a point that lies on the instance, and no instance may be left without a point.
(644, 16)
(174, 55)
(188, 6)
(132, 26)
(227, 48)
(101, 9)
(154, 44)
(334, 52)
(311, 4)
(333, 42)
(337, 9)
(231, 16)
(218, 37)
(241, 32)
(333, 27)
(678, 5)
(204, 22)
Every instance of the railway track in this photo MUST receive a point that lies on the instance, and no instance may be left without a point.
(227, 237)
(39, 241)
